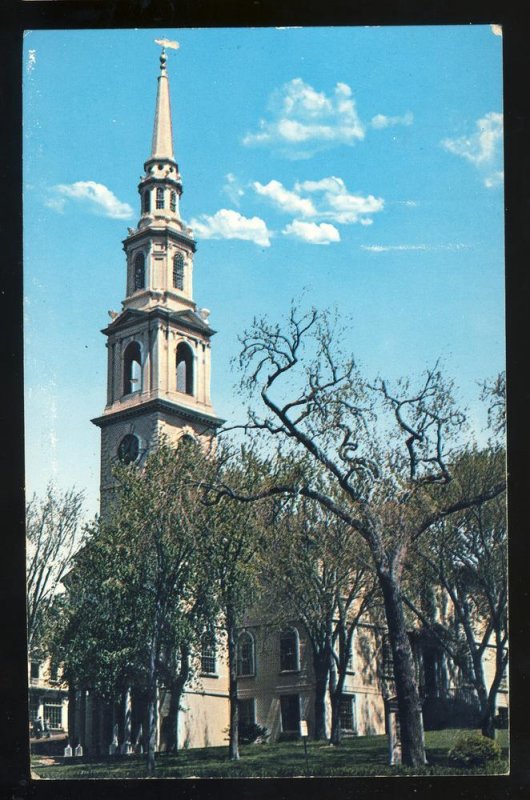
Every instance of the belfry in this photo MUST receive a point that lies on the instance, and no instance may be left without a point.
(158, 366)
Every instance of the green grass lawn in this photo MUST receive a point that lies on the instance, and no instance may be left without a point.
(361, 756)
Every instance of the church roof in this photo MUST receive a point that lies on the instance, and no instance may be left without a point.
(162, 146)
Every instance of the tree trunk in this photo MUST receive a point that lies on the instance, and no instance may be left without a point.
(72, 734)
(409, 706)
(177, 689)
(233, 745)
(152, 711)
(335, 693)
(321, 668)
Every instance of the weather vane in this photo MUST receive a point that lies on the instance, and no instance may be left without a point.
(167, 43)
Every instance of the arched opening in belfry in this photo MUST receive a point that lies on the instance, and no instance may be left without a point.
(184, 368)
(139, 272)
(132, 368)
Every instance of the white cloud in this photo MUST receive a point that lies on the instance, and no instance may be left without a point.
(340, 205)
(300, 115)
(56, 203)
(330, 200)
(496, 29)
(330, 184)
(388, 248)
(382, 121)
(481, 147)
(287, 201)
(496, 179)
(233, 188)
(98, 196)
(311, 232)
(228, 224)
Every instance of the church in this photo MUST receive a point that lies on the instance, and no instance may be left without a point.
(159, 356)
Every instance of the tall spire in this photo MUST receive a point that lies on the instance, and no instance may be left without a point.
(162, 146)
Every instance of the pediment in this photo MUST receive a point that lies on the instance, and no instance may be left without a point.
(187, 319)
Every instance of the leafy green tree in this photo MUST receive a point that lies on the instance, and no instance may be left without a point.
(232, 545)
(136, 602)
(466, 555)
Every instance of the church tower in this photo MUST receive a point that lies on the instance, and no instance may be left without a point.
(158, 373)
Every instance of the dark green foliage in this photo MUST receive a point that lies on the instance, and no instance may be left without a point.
(474, 750)
(445, 712)
(251, 732)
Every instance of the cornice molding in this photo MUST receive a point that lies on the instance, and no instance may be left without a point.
(158, 406)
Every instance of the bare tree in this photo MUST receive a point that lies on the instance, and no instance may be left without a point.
(52, 528)
(387, 452)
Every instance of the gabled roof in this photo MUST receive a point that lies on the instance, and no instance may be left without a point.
(189, 319)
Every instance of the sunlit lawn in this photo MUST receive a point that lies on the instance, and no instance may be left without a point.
(364, 755)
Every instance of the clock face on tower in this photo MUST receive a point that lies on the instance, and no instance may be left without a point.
(128, 449)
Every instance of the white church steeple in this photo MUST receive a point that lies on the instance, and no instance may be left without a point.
(160, 250)
(162, 131)
(159, 349)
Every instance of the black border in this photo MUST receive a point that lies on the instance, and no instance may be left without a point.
(17, 15)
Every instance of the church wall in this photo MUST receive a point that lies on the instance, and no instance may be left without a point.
(269, 683)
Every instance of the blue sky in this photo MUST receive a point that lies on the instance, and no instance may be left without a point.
(360, 166)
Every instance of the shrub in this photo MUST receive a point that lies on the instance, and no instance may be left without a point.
(251, 732)
(474, 750)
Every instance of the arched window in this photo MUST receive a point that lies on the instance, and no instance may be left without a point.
(208, 665)
(178, 271)
(245, 654)
(160, 198)
(289, 650)
(146, 201)
(132, 368)
(139, 272)
(184, 369)
(173, 201)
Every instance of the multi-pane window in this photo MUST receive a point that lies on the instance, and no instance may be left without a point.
(139, 271)
(160, 198)
(245, 654)
(347, 713)
(289, 650)
(178, 271)
(173, 201)
(54, 672)
(53, 715)
(146, 202)
(388, 659)
(33, 708)
(208, 654)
